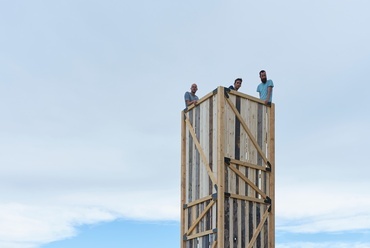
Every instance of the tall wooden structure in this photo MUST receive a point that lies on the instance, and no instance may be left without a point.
(227, 172)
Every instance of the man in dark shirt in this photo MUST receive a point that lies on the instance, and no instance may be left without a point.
(237, 84)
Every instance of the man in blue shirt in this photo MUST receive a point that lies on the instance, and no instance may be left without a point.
(265, 88)
(190, 97)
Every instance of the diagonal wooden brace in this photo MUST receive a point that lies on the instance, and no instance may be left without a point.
(258, 229)
(201, 152)
(212, 202)
(242, 122)
(244, 178)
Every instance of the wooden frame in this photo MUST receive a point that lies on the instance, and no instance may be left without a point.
(228, 172)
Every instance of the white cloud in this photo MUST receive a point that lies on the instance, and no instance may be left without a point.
(27, 225)
(323, 207)
(323, 245)
(31, 225)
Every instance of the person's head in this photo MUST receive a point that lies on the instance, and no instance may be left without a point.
(193, 88)
(238, 83)
(263, 76)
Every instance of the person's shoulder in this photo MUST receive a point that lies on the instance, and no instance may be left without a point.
(231, 87)
(270, 83)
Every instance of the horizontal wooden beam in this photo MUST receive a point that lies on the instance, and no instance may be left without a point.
(197, 235)
(247, 198)
(246, 164)
(201, 200)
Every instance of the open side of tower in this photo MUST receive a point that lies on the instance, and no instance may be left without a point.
(228, 172)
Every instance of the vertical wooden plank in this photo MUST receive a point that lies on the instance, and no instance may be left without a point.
(249, 157)
(236, 217)
(271, 157)
(210, 141)
(197, 164)
(250, 220)
(253, 127)
(230, 176)
(264, 178)
(203, 143)
(192, 185)
(242, 185)
(229, 143)
(209, 216)
(235, 229)
(253, 174)
(237, 133)
(203, 179)
(208, 152)
(240, 218)
(229, 238)
(230, 136)
(191, 160)
(220, 166)
(207, 186)
(243, 229)
(260, 141)
(243, 149)
(183, 177)
(215, 163)
(197, 155)
(207, 227)
(260, 131)
(266, 231)
(258, 221)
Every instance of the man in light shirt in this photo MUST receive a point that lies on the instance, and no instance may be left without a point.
(190, 97)
(265, 88)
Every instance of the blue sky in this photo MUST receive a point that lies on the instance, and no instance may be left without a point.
(90, 100)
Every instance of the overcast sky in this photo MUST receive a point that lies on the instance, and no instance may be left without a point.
(90, 100)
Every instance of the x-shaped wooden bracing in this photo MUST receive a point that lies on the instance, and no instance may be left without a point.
(196, 222)
(245, 126)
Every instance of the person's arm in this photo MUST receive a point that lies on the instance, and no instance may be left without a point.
(188, 102)
(269, 92)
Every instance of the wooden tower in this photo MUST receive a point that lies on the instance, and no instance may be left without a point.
(227, 172)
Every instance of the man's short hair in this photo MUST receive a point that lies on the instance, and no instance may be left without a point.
(262, 71)
(238, 79)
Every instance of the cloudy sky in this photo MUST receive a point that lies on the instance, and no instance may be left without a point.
(90, 101)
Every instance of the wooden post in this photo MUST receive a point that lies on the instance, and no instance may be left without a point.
(220, 167)
(272, 176)
(183, 177)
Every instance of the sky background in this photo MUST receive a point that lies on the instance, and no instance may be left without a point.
(90, 100)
